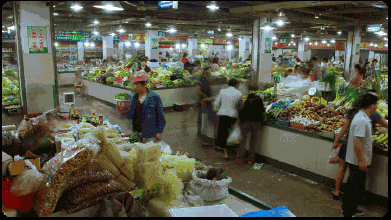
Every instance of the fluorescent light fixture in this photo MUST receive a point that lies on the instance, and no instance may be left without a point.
(56, 44)
(112, 6)
(381, 33)
(172, 30)
(55, 13)
(229, 34)
(96, 22)
(183, 45)
(95, 32)
(127, 43)
(306, 38)
(268, 28)
(112, 34)
(92, 44)
(375, 45)
(137, 44)
(177, 46)
(76, 7)
(121, 30)
(280, 23)
(332, 41)
(11, 28)
(324, 41)
(274, 38)
(148, 24)
(230, 47)
(212, 7)
(292, 35)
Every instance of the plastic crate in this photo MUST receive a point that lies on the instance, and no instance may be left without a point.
(297, 126)
(282, 123)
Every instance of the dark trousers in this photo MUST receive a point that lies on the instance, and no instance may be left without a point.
(355, 188)
(249, 128)
(225, 123)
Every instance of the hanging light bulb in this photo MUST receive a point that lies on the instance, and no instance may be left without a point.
(292, 35)
(172, 30)
(310, 43)
(127, 43)
(386, 45)
(339, 32)
(371, 44)
(328, 44)
(294, 44)
(375, 45)
(96, 22)
(148, 24)
(183, 45)
(121, 30)
(324, 41)
(280, 23)
(229, 47)
(229, 34)
(92, 44)
(170, 48)
(316, 43)
(267, 28)
(95, 32)
(202, 45)
(332, 41)
(307, 38)
(219, 29)
(112, 34)
(281, 14)
(56, 44)
(76, 7)
(137, 44)
(274, 38)
(177, 46)
(86, 44)
(316, 16)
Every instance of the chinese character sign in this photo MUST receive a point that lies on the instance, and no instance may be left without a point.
(268, 45)
(37, 39)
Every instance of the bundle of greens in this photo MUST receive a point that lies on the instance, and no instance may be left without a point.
(331, 79)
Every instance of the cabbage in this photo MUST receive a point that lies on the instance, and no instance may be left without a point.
(6, 91)
(16, 83)
(4, 99)
(15, 91)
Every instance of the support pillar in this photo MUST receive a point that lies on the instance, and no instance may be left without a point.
(192, 42)
(244, 48)
(108, 46)
(149, 51)
(301, 51)
(254, 50)
(80, 51)
(37, 73)
(121, 51)
(265, 57)
(352, 52)
(371, 56)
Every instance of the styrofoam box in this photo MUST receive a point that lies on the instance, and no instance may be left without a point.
(204, 211)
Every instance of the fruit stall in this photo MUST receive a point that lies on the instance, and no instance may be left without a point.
(90, 161)
(299, 134)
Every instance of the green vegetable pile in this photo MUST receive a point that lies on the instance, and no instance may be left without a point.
(121, 96)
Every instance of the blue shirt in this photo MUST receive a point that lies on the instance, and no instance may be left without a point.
(375, 118)
(153, 120)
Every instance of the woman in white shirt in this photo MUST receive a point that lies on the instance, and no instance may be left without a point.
(228, 103)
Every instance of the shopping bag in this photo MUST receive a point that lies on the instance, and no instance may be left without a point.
(333, 155)
(234, 138)
(165, 148)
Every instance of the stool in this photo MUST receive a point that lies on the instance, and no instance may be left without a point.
(76, 86)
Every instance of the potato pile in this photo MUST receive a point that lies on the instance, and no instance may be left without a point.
(332, 124)
(288, 113)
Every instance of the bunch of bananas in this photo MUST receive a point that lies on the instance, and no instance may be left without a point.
(12, 106)
(380, 139)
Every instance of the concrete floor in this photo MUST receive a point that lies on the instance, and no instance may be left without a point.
(275, 187)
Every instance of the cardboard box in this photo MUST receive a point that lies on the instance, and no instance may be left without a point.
(17, 167)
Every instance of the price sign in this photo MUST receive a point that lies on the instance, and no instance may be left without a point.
(276, 78)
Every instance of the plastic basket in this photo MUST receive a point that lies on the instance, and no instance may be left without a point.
(297, 126)
(282, 123)
(280, 106)
(22, 204)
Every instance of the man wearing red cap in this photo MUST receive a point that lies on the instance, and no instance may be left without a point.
(146, 110)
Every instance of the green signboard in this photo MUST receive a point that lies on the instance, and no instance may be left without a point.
(81, 37)
(37, 39)
(283, 41)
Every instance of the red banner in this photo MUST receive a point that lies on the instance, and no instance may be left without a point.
(366, 46)
(219, 41)
(136, 37)
(166, 46)
(278, 45)
(340, 46)
(321, 46)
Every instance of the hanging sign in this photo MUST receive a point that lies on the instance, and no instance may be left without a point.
(373, 28)
(366, 46)
(161, 34)
(210, 32)
(283, 41)
(154, 43)
(205, 41)
(37, 39)
(268, 45)
(167, 4)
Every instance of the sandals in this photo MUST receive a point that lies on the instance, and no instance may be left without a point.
(335, 197)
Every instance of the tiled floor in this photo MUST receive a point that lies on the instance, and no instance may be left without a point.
(275, 187)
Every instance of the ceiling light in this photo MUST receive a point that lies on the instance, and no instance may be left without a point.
(219, 29)
(229, 34)
(324, 41)
(310, 43)
(112, 6)
(127, 43)
(56, 44)
(332, 41)
(294, 44)
(230, 47)
(76, 7)
(148, 24)
(328, 44)
(339, 32)
(95, 32)
(177, 46)
(307, 38)
(54, 6)
(121, 30)
(172, 30)
(274, 38)
(86, 44)
(385, 38)
(12, 27)
(96, 22)
(170, 48)
(136, 44)
(212, 7)
(375, 45)
(112, 34)
(55, 13)
(316, 16)
(381, 33)
(292, 35)
(280, 23)
(316, 43)
(371, 44)
(203, 45)
(92, 44)
(183, 45)
(386, 45)
(281, 14)
(267, 28)
(239, 38)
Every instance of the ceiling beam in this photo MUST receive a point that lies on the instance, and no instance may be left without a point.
(351, 11)
(286, 5)
(327, 15)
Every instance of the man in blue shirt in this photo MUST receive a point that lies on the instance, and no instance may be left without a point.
(146, 110)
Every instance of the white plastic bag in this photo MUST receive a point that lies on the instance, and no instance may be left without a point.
(207, 189)
(333, 155)
(165, 148)
(27, 181)
(234, 138)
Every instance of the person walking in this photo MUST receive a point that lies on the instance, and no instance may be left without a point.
(316, 69)
(375, 118)
(359, 153)
(203, 88)
(227, 104)
(146, 112)
(251, 119)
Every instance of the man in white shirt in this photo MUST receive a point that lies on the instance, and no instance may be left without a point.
(359, 153)
(227, 104)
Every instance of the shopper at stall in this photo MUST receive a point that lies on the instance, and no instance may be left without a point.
(144, 66)
(198, 66)
(359, 153)
(316, 69)
(250, 121)
(128, 56)
(367, 69)
(296, 71)
(325, 66)
(215, 65)
(146, 111)
(203, 88)
(288, 73)
(227, 105)
(375, 118)
(184, 59)
(358, 77)
(375, 65)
